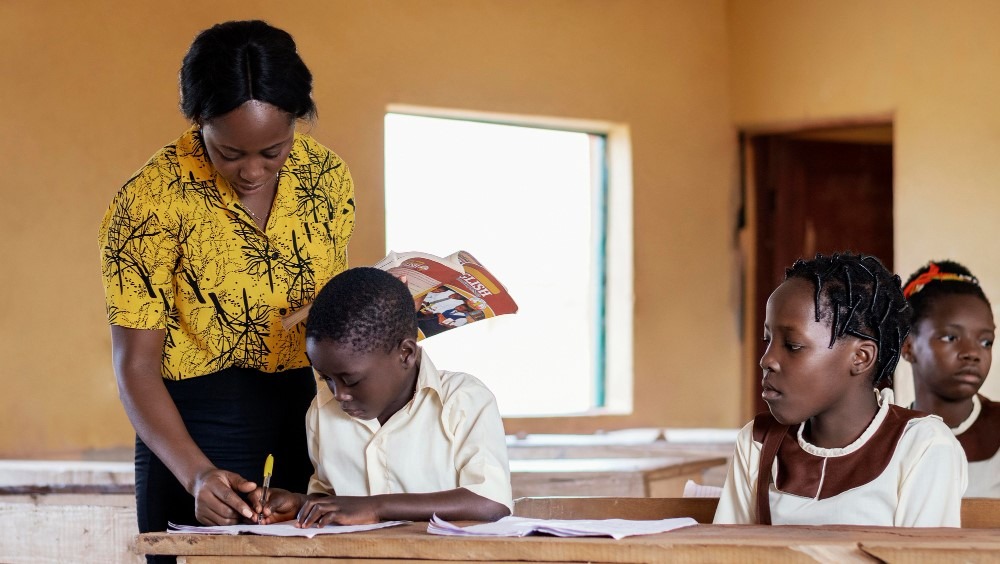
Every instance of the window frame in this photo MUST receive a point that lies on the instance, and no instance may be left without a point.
(613, 201)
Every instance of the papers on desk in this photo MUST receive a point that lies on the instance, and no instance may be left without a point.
(694, 489)
(279, 529)
(523, 526)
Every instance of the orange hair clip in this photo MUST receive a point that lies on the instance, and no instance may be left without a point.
(934, 274)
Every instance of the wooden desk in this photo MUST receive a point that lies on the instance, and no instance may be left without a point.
(616, 477)
(66, 476)
(701, 543)
(67, 511)
(633, 443)
(977, 513)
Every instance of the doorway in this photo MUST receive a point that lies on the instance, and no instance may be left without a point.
(811, 191)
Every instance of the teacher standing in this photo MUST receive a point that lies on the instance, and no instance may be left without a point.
(223, 232)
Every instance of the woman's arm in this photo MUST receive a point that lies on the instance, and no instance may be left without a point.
(137, 358)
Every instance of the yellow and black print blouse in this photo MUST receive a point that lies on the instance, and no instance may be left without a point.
(179, 252)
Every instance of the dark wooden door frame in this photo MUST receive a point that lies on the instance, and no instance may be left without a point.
(749, 239)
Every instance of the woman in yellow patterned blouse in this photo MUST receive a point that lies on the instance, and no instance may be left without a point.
(222, 233)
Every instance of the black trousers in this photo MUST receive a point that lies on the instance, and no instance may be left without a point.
(237, 417)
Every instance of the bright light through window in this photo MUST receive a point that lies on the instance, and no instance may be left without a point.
(528, 203)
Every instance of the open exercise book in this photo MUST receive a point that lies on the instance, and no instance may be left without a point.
(286, 529)
(447, 292)
(523, 526)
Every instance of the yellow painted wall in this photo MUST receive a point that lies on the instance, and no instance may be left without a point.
(89, 92)
(933, 65)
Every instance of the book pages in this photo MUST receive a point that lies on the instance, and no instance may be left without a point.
(523, 526)
(286, 529)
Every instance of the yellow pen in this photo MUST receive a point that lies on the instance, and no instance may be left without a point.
(268, 467)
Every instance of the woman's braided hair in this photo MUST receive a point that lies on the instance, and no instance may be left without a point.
(859, 297)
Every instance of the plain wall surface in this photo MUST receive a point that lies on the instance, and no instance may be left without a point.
(90, 92)
(932, 66)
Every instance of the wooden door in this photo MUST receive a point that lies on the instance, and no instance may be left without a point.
(816, 196)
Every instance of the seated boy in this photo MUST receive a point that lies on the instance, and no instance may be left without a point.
(390, 436)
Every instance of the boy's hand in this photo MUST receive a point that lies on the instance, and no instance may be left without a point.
(334, 510)
(282, 505)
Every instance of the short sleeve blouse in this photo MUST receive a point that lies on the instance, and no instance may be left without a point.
(179, 252)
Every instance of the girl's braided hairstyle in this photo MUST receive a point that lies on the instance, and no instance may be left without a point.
(859, 297)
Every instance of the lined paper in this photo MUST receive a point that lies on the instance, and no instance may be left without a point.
(523, 526)
(279, 529)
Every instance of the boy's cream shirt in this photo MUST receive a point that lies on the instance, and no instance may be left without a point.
(450, 435)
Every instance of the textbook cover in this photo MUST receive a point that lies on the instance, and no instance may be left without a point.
(448, 292)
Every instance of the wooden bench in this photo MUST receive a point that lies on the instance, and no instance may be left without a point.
(980, 513)
(977, 513)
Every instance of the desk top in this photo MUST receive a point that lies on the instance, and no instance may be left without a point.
(626, 437)
(697, 543)
(66, 476)
(572, 465)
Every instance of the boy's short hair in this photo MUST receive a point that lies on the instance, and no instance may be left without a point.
(936, 279)
(858, 296)
(366, 308)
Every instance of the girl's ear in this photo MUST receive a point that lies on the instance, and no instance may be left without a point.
(865, 356)
(906, 352)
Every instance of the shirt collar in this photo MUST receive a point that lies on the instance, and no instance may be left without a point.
(977, 407)
(191, 157)
(884, 398)
(195, 167)
(428, 380)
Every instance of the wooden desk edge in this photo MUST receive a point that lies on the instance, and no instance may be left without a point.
(715, 541)
(688, 467)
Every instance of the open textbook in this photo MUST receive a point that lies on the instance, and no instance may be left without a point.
(523, 526)
(447, 292)
(286, 529)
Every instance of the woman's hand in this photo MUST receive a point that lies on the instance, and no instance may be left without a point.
(282, 505)
(217, 498)
(334, 510)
